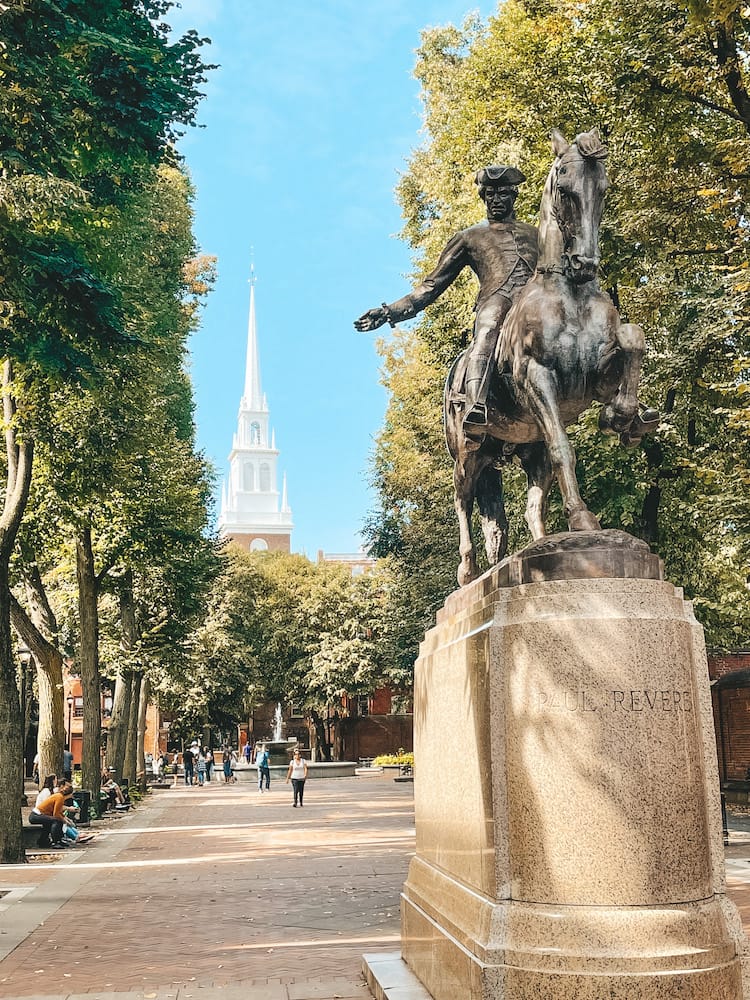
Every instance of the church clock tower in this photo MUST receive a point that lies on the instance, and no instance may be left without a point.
(253, 514)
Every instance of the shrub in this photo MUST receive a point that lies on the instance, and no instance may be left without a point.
(400, 757)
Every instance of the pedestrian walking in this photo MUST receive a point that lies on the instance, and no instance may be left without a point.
(297, 772)
(200, 767)
(226, 758)
(209, 755)
(263, 762)
(187, 761)
(67, 768)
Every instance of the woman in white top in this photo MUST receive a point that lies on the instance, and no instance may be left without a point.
(297, 772)
(46, 790)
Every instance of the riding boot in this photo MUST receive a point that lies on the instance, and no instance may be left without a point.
(475, 419)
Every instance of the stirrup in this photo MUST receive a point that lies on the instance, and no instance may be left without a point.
(475, 417)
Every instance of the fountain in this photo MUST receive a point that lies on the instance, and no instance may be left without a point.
(280, 752)
(279, 749)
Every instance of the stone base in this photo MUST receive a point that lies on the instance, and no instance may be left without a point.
(565, 954)
(573, 849)
(388, 977)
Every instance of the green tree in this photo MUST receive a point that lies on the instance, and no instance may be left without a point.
(91, 98)
(281, 628)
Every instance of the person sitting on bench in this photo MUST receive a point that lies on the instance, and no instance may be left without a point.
(112, 790)
(50, 815)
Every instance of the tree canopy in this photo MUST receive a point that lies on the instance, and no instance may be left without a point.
(95, 238)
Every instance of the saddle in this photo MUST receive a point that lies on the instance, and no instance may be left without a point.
(501, 396)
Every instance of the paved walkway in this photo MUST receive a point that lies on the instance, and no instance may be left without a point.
(226, 894)
(216, 887)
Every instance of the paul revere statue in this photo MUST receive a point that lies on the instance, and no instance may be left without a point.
(502, 252)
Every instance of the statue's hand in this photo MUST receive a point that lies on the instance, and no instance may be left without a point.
(371, 320)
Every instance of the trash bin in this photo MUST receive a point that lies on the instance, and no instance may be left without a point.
(83, 798)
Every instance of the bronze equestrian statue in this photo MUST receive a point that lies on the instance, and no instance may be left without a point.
(561, 347)
(502, 253)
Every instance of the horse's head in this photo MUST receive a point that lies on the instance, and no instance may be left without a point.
(578, 182)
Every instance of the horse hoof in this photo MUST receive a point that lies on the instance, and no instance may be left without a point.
(583, 520)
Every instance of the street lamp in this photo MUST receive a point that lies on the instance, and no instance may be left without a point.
(24, 656)
(70, 699)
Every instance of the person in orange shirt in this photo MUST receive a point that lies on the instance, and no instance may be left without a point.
(50, 816)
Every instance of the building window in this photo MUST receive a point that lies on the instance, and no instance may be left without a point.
(259, 545)
(78, 708)
(255, 433)
(265, 478)
(362, 702)
(296, 711)
(248, 476)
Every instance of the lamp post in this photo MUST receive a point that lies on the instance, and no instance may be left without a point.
(24, 656)
(70, 701)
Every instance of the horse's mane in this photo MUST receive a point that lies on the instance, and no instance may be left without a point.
(590, 145)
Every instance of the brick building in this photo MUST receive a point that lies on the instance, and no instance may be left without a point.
(730, 693)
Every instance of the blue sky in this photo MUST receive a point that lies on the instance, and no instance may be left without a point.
(308, 122)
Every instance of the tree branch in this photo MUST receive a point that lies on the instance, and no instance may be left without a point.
(41, 649)
(727, 57)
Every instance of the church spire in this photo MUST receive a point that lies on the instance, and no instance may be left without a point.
(250, 513)
(253, 396)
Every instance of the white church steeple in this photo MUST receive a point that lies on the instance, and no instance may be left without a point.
(250, 511)
(253, 398)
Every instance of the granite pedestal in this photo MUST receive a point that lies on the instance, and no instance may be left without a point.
(566, 789)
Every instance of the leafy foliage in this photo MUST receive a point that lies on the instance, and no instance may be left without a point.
(280, 627)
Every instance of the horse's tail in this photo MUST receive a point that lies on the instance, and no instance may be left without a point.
(453, 393)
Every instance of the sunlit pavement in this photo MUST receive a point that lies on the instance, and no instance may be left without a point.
(222, 892)
(216, 891)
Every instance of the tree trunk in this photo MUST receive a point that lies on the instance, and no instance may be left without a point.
(18, 479)
(118, 725)
(321, 736)
(11, 726)
(131, 746)
(336, 755)
(126, 757)
(51, 736)
(140, 742)
(88, 613)
(38, 629)
(49, 673)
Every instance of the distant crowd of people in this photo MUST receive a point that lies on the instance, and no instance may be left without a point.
(56, 810)
(199, 764)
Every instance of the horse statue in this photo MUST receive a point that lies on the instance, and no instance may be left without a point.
(561, 347)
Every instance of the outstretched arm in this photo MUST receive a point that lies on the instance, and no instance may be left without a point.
(452, 261)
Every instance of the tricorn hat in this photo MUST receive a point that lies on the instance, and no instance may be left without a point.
(499, 174)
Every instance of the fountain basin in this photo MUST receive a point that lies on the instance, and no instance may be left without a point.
(315, 769)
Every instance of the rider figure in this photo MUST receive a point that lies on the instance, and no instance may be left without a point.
(502, 252)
